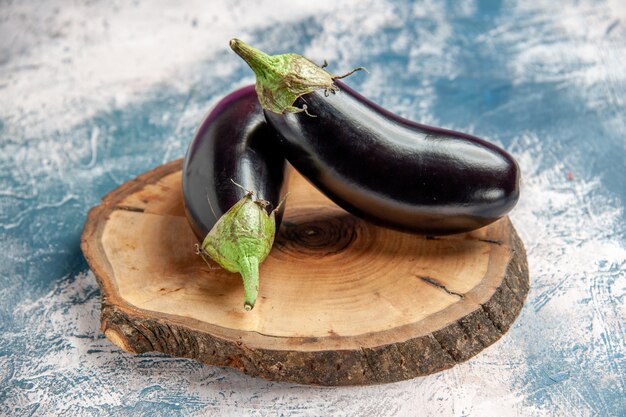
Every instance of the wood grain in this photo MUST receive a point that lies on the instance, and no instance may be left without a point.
(341, 301)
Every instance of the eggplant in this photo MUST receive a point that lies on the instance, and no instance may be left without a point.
(233, 151)
(377, 165)
(233, 186)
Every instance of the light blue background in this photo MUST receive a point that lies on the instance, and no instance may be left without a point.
(89, 100)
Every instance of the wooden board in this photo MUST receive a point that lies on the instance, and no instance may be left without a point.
(341, 301)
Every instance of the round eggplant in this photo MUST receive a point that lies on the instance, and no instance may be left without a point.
(233, 181)
(377, 165)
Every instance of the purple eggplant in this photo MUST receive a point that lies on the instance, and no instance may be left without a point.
(233, 187)
(377, 165)
(233, 151)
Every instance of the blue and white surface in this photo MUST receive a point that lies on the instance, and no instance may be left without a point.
(94, 93)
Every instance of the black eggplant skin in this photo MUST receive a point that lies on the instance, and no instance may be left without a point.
(395, 172)
(233, 143)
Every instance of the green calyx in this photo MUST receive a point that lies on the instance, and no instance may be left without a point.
(241, 240)
(281, 79)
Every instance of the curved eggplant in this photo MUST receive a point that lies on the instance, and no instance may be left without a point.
(233, 185)
(232, 152)
(377, 165)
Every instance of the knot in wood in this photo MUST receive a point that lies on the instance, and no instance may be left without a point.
(321, 234)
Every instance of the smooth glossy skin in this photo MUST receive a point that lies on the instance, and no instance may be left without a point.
(233, 143)
(395, 172)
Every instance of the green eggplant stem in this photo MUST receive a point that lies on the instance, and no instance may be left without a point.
(249, 270)
(240, 240)
(281, 79)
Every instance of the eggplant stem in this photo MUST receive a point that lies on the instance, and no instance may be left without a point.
(304, 110)
(248, 192)
(205, 256)
(282, 201)
(332, 89)
(249, 270)
(282, 79)
(262, 203)
(324, 65)
(337, 77)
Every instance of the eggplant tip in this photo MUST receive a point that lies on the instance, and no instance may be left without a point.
(247, 306)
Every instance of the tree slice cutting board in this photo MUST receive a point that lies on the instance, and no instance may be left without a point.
(341, 301)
